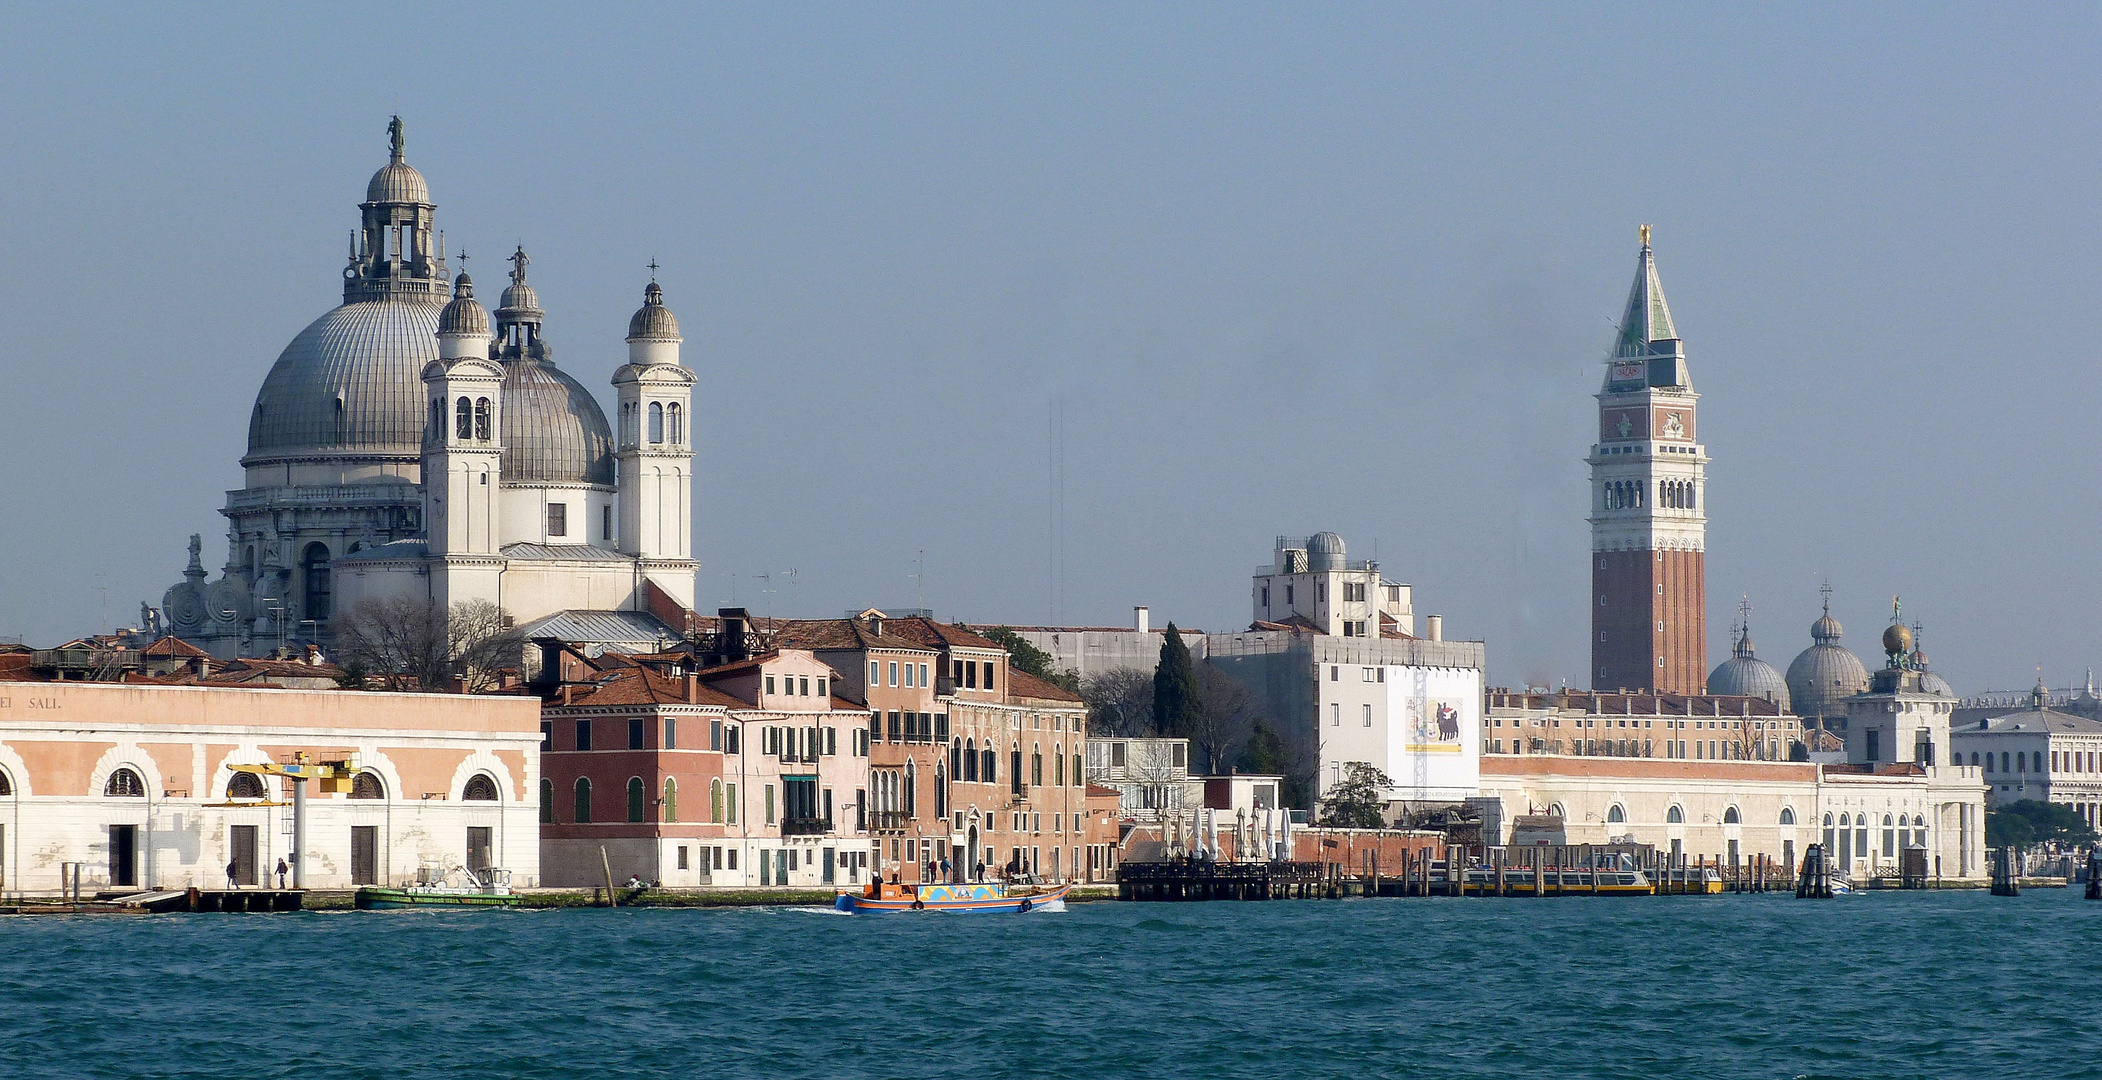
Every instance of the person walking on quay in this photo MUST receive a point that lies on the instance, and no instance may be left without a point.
(233, 866)
(282, 870)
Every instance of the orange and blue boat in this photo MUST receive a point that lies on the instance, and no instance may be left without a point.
(988, 898)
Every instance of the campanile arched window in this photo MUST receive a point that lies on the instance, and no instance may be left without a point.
(678, 424)
(482, 415)
(463, 420)
(656, 422)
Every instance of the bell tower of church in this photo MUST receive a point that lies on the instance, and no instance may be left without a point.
(655, 448)
(1648, 499)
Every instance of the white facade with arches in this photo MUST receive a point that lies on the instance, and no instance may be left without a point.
(131, 782)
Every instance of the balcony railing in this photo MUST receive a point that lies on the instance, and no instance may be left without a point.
(880, 820)
(805, 826)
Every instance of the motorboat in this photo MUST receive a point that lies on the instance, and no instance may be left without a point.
(979, 898)
(435, 887)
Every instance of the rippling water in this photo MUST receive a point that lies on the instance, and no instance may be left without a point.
(1908, 985)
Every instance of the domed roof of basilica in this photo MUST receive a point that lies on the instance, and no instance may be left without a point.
(1744, 674)
(653, 321)
(465, 315)
(554, 431)
(1825, 674)
(397, 181)
(350, 383)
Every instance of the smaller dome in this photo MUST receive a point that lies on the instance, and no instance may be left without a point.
(1745, 675)
(1324, 551)
(1931, 683)
(520, 303)
(653, 321)
(398, 182)
(465, 316)
(1825, 631)
(1897, 639)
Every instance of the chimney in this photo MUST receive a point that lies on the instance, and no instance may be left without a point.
(568, 693)
(693, 688)
(1434, 627)
(1142, 618)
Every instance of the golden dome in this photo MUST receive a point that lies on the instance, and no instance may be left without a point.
(1897, 639)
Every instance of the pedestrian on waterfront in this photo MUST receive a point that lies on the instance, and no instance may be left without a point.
(232, 866)
(282, 870)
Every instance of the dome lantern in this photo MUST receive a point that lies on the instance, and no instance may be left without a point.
(653, 331)
(397, 253)
(463, 327)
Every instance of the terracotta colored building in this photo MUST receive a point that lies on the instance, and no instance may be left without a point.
(750, 773)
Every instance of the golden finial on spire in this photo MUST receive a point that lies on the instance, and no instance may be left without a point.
(1645, 236)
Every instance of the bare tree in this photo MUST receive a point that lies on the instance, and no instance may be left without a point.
(1225, 716)
(1120, 703)
(411, 643)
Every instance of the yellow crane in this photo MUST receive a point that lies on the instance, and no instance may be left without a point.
(334, 776)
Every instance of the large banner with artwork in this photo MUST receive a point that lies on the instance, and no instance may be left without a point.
(1436, 735)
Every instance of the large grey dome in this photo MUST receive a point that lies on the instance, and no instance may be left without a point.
(1824, 675)
(349, 384)
(554, 431)
(1745, 675)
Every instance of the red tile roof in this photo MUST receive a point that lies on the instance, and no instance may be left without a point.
(172, 646)
(839, 634)
(938, 635)
(641, 686)
(1023, 684)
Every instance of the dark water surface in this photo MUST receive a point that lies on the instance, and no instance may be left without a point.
(1948, 984)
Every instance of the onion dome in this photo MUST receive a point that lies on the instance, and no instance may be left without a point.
(1826, 673)
(397, 181)
(653, 321)
(1745, 675)
(465, 316)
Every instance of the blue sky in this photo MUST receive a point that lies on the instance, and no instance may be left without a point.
(1281, 269)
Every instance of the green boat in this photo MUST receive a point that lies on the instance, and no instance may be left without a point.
(434, 888)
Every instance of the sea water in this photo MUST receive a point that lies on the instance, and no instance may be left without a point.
(1956, 984)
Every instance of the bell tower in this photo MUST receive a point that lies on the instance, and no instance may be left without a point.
(1648, 507)
(655, 448)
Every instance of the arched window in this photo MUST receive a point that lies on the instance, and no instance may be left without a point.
(2036, 761)
(715, 801)
(656, 422)
(970, 761)
(314, 568)
(1788, 815)
(671, 801)
(1615, 814)
(125, 783)
(245, 786)
(1058, 761)
(1846, 821)
(1014, 768)
(911, 789)
(941, 792)
(678, 424)
(988, 763)
(638, 798)
(481, 419)
(1036, 768)
(367, 785)
(1974, 758)
(463, 420)
(547, 801)
(436, 432)
(2004, 767)
(1555, 810)
(956, 758)
(583, 801)
(7, 784)
(1675, 815)
(479, 789)
(1729, 816)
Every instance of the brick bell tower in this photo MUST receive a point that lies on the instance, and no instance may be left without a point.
(1648, 507)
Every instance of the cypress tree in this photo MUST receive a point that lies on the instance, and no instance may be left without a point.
(1174, 688)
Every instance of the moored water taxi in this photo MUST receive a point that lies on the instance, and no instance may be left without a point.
(438, 888)
(985, 898)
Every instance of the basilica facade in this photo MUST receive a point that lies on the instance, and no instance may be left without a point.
(407, 443)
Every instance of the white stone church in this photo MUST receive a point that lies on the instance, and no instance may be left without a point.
(406, 443)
